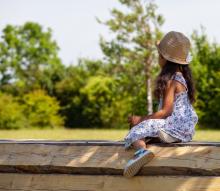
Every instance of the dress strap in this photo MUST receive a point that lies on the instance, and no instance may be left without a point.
(179, 77)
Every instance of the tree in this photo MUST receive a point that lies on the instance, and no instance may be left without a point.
(28, 58)
(206, 70)
(136, 33)
(68, 94)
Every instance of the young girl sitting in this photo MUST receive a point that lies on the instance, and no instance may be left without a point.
(176, 118)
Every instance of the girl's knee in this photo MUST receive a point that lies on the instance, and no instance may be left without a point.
(139, 143)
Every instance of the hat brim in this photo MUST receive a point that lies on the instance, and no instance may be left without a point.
(169, 58)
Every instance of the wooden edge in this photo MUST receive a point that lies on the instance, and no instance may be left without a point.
(145, 171)
(100, 142)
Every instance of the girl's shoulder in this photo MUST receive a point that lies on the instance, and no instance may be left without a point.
(178, 76)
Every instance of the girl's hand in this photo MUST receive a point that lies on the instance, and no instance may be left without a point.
(134, 120)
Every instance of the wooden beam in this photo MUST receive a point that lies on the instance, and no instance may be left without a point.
(64, 182)
(38, 157)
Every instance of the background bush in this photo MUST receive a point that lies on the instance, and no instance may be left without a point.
(11, 113)
(41, 110)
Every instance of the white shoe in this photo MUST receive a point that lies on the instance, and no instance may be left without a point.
(141, 157)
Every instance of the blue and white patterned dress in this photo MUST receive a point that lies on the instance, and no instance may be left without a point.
(180, 124)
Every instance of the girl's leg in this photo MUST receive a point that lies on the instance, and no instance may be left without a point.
(147, 128)
(138, 144)
(139, 159)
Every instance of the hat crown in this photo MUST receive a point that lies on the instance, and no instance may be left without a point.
(175, 47)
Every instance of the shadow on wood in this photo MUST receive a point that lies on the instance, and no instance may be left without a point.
(98, 165)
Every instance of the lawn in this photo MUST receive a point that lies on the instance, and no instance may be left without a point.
(89, 134)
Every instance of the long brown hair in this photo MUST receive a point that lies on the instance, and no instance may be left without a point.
(167, 72)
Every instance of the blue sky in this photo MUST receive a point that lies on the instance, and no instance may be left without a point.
(77, 32)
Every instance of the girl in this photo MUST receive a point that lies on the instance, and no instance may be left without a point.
(176, 118)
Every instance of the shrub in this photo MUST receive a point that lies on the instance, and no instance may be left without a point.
(11, 113)
(41, 110)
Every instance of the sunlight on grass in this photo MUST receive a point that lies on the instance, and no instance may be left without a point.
(90, 134)
(59, 134)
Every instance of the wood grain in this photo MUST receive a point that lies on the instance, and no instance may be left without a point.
(64, 182)
(89, 159)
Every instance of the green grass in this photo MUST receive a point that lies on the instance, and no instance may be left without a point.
(89, 134)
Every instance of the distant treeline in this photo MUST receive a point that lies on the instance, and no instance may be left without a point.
(38, 90)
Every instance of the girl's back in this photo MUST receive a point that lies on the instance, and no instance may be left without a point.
(181, 123)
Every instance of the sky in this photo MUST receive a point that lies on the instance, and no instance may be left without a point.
(77, 32)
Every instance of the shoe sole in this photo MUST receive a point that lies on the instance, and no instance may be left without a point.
(136, 166)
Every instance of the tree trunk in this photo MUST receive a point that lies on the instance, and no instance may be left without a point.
(149, 97)
(148, 85)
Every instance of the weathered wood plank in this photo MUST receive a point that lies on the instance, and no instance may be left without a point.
(101, 142)
(57, 182)
(106, 160)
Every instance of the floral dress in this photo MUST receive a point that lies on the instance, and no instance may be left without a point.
(180, 124)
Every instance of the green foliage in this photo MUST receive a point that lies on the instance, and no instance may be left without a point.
(136, 32)
(206, 70)
(11, 113)
(35, 109)
(91, 96)
(27, 52)
(68, 93)
(100, 94)
(41, 110)
(29, 61)
(38, 90)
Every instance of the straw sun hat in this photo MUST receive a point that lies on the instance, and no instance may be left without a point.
(175, 47)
